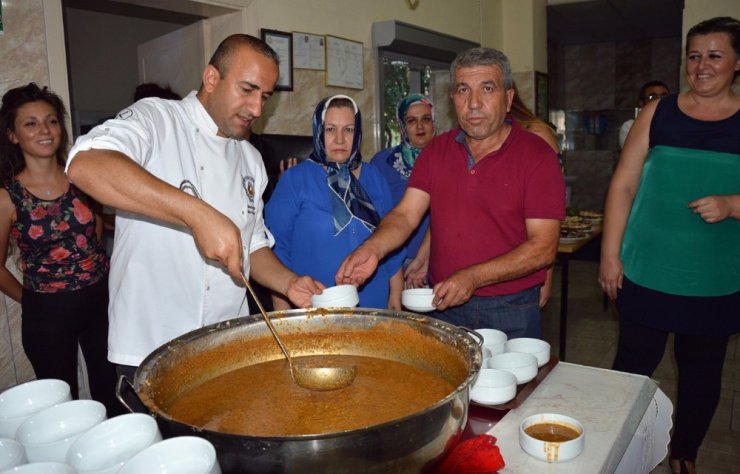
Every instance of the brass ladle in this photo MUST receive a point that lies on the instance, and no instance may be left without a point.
(313, 378)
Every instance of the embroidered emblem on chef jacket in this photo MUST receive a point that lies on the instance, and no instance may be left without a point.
(125, 114)
(248, 185)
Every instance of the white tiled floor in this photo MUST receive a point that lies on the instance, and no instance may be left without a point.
(592, 339)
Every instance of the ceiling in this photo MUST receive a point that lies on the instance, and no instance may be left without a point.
(599, 21)
(183, 12)
(568, 21)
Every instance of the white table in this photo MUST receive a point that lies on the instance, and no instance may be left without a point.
(625, 416)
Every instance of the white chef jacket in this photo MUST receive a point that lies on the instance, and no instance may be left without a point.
(160, 285)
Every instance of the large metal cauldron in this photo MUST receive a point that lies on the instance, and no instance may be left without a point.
(409, 444)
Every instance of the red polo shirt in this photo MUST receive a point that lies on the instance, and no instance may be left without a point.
(479, 212)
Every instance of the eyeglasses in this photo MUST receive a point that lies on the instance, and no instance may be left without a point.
(652, 97)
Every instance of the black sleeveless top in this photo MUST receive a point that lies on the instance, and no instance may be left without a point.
(671, 127)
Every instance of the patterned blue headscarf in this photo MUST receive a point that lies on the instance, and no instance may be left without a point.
(348, 197)
(409, 152)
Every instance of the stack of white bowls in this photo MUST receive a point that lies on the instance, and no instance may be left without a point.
(11, 454)
(527, 345)
(73, 437)
(520, 357)
(20, 402)
(493, 341)
(47, 435)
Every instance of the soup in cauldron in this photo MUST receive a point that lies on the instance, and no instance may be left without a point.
(262, 400)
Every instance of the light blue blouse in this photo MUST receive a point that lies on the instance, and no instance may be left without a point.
(386, 161)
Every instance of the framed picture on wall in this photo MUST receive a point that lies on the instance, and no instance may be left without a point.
(282, 43)
(540, 97)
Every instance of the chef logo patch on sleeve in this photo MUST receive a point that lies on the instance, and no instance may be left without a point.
(248, 185)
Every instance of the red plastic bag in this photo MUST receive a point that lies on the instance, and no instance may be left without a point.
(473, 456)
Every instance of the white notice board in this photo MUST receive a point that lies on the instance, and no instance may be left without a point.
(344, 63)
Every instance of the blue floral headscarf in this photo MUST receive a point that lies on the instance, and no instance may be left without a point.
(349, 199)
(409, 152)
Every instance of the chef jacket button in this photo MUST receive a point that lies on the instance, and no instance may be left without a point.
(197, 130)
(472, 171)
(202, 168)
(208, 288)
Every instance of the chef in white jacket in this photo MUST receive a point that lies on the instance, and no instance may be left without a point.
(188, 192)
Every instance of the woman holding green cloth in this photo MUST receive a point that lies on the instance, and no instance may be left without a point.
(670, 252)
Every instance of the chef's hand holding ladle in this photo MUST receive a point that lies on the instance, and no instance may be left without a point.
(312, 378)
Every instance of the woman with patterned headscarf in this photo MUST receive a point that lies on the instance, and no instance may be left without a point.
(325, 207)
(415, 116)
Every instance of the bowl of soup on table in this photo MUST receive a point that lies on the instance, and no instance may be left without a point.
(551, 437)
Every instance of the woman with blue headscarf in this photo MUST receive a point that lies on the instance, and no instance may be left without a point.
(415, 116)
(325, 207)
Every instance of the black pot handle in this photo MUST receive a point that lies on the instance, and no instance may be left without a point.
(123, 380)
(474, 334)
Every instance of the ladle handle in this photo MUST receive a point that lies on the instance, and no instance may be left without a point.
(266, 318)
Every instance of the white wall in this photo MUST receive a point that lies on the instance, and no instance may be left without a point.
(352, 19)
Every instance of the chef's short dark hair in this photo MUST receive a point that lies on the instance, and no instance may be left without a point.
(229, 46)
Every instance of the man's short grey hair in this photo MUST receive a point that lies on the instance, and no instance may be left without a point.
(482, 57)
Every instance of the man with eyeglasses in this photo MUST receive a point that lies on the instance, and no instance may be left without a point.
(649, 92)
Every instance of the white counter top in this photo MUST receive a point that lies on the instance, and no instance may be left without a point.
(609, 404)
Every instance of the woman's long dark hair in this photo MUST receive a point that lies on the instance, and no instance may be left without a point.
(11, 155)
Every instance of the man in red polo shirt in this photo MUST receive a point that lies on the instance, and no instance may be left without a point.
(496, 197)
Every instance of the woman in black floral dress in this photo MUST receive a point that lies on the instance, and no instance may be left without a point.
(64, 293)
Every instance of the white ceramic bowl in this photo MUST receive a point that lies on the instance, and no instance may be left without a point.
(493, 387)
(48, 434)
(104, 448)
(493, 341)
(537, 347)
(181, 455)
(552, 451)
(11, 453)
(523, 366)
(20, 402)
(42, 468)
(418, 299)
(340, 296)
